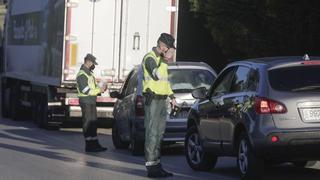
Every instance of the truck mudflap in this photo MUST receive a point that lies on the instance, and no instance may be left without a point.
(102, 112)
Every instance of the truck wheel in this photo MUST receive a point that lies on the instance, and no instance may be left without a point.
(35, 111)
(15, 107)
(116, 139)
(197, 158)
(136, 145)
(42, 119)
(5, 101)
(249, 166)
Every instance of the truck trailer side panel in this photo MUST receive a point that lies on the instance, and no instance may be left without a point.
(34, 40)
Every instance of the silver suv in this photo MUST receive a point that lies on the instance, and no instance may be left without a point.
(259, 110)
(128, 127)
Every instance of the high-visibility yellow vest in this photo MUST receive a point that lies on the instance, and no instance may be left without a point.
(161, 86)
(92, 85)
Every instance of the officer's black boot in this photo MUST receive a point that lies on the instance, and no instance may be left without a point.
(98, 146)
(89, 146)
(156, 171)
(94, 146)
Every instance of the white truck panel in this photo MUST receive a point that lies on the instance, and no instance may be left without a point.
(106, 28)
(134, 32)
(156, 27)
(80, 22)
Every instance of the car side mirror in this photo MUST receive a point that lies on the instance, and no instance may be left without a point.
(199, 93)
(115, 94)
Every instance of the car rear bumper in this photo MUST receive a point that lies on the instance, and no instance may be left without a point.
(290, 145)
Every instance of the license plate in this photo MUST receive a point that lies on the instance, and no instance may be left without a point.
(311, 114)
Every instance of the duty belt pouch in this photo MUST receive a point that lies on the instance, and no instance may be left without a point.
(148, 97)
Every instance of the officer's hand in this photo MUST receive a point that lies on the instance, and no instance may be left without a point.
(173, 103)
(103, 88)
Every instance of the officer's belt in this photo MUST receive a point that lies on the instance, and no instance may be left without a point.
(156, 96)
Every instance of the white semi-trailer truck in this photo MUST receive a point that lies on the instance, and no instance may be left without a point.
(45, 42)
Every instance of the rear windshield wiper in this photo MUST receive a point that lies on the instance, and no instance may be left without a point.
(182, 90)
(307, 88)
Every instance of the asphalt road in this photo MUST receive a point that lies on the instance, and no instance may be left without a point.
(30, 153)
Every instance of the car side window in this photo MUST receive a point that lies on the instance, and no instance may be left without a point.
(239, 82)
(223, 83)
(252, 80)
(245, 79)
(132, 85)
(126, 84)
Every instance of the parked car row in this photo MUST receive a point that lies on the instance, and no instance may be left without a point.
(262, 111)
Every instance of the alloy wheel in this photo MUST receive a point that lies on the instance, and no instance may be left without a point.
(243, 156)
(195, 150)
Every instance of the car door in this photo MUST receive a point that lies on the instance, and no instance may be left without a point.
(234, 103)
(210, 109)
(128, 102)
(120, 106)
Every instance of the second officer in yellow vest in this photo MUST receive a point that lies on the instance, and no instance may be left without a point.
(156, 90)
(87, 93)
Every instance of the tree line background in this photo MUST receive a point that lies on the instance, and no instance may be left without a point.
(238, 29)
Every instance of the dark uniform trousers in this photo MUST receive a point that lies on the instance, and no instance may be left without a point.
(89, 121)
(155, 124)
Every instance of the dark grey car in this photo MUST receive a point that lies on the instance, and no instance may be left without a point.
(259, 110)
(128, 128)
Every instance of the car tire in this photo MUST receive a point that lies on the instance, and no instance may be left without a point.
(302, 164)
(197, 158)
(116, 139)
(136, 145)
(249, 165)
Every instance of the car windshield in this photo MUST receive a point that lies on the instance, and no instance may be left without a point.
(296, 79)
(186, 80)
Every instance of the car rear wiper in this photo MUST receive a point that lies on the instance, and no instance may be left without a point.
(307, 88)
(182, 90)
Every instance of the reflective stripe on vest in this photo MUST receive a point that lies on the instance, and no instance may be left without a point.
(161, 86)
(94, 90)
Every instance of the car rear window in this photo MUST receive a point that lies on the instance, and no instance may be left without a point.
(296, 79)
(186, 80)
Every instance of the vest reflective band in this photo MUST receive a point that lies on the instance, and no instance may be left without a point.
(161, 86)
(94, 89)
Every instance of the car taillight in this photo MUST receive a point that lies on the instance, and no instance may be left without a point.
(139, 106)
(268, 106)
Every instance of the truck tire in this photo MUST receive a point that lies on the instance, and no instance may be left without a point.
(45, 121)
(44, 113)
(5, 101)
(15, 106)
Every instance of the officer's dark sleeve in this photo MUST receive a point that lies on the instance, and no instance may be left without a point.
(151, 65)
(82, 82)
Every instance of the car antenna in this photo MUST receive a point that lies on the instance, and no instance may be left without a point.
(306, 57)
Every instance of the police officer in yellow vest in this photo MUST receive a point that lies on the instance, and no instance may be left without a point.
(87, 93)
(156, 90)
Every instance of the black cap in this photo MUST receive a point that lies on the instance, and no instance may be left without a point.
(91, 58)
(167, 39)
